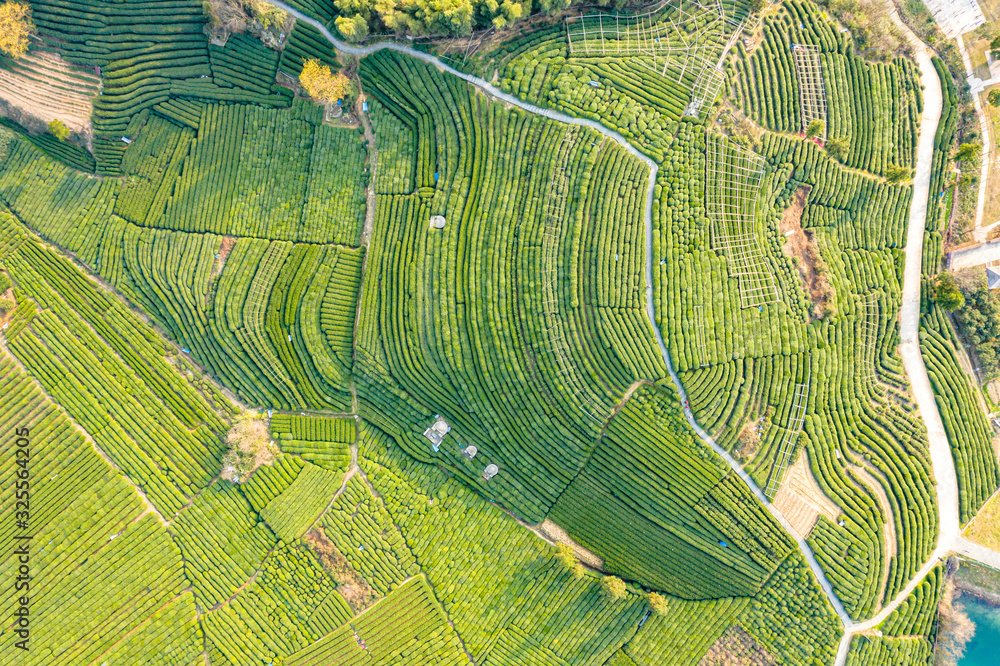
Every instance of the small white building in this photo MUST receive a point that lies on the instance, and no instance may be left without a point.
(437, 221)
(437, 431)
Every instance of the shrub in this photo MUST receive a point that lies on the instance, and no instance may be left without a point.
(947, 293)
(896, 173)
(321, 83)
(564, 553)
(838, 148)
(657, 603)
(59, 130)
(614, 587)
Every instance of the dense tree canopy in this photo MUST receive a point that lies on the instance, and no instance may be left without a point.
(979, 320)
(15, 26)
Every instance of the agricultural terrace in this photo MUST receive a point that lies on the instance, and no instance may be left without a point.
(438, 303)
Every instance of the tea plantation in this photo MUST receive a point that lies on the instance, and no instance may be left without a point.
(551, 336)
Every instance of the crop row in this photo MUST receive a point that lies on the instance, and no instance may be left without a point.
(361, 529)
(244, 63)
(396, 150)
(918, 612)
(305, 43)
(222, 541)
(80, 577)
(430, 333)
(62, 151)
(408, 622)
(886, 650)
(114, 384)
(266, 173)
(298, 506)
(874, 106)
(153, 164)
(272, 616)
(969, 433)
(314, 428)
(856, 224)
(657, 492)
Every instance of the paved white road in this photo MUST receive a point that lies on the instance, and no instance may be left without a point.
(974, 256)
(944, 469)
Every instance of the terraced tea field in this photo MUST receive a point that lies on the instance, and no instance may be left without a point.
(300, 381)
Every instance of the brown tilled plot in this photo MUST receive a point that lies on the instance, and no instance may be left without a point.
(43, 86)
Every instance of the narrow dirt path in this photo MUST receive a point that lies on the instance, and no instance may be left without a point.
(366, 233)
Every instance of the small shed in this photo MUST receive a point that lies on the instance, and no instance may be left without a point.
(992, 278)
(437, 221)
(437, 431)
(490, 471)
(470, 451)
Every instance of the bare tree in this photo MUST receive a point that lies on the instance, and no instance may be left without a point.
(956, 629)
(250, 446)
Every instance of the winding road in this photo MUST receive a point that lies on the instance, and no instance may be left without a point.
(941, 459)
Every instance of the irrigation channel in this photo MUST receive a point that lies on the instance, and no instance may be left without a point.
(941, 459)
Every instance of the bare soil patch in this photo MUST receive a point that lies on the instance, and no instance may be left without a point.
(800, 245)
(737, 648)
(800, 499)
(553, 532)
(227, 246)
(355, 590)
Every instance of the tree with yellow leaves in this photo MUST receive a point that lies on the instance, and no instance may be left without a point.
(321, 83)
(59, 130)
(15, 26)
(353, 29)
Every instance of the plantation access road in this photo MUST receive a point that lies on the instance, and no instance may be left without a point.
(941, 459)
(648, 220)
(913, 363)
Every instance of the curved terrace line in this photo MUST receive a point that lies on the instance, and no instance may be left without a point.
(941, 459)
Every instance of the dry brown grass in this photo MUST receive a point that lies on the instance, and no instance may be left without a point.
(984, 529)
(250, 446)
(358, 593)
(749, 438)
(736, 648)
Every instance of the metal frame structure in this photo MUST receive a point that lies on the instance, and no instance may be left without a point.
(658, 40)
(812, 91)
(732, 180)
(705, 89)
(796, 417)
(868, 324)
